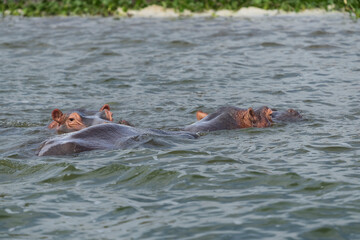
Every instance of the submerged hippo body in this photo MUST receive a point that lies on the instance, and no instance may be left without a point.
(103, 136)
(226, 118)
(78, 119)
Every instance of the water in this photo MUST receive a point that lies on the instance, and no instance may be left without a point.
(293, 181)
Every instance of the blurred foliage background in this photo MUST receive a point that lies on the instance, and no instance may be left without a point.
(110, 7)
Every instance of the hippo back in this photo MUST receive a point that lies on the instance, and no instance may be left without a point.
(103, 136)
(223, 119)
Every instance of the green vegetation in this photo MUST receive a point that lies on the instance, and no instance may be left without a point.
(109, 7)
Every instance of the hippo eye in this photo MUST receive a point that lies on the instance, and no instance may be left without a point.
(71, 119)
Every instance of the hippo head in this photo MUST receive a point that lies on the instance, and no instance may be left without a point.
(246, 118)
(79, 119)
(290, 115)
(254, 118)
(263, 117)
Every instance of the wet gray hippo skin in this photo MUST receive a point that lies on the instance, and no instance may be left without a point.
(103, 136)
(289, 115)
(227, 118)
(78, 119)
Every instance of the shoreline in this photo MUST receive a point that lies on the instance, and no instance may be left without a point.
(156, 11)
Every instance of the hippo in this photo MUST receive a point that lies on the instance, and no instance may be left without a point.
(124, 122)
(289, 115)
(229, 117)
(103, 136)
(78, 119)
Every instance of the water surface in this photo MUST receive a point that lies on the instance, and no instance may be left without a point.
(290, 181)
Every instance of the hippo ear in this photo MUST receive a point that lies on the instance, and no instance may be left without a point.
(106, 106)
(57, 115)
(200, 115)
(251, 112)
(108, 114)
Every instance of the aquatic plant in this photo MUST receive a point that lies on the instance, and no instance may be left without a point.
(110, 7)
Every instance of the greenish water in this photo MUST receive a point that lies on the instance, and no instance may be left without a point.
(294, 181)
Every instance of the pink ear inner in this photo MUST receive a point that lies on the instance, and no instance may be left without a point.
(200, 115)
(57, 115)
(251, 111)
(106, 106)
(108, 115)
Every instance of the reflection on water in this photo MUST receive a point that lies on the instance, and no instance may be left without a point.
(296, 180)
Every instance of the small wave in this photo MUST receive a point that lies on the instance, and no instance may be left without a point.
(221, 160)
(320, 33)
(118, 211)
(129, 41)
(323, 232)
(25, 44)
(10, 167)
(146, 177)
(109, 53)
(272, 44)
(182, 82)
(331, 147)
(320, 47)
(17, 124)
(286, 75)
(272, 92)
(181, 43)
(70, 173)
(182, 153)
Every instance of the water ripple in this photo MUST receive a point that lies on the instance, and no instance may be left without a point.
(290, 181)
